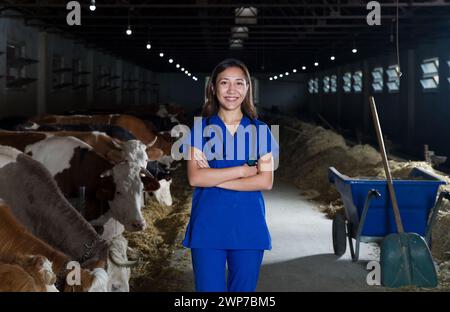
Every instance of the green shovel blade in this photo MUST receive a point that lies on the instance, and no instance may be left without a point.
(406, 261)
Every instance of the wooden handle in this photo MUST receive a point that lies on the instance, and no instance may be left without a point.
(376, 122)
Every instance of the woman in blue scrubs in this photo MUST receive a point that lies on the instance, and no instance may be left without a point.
(229, 166)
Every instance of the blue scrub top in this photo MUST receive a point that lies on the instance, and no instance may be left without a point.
(227, 219)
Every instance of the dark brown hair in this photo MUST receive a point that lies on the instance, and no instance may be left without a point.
(212, 105)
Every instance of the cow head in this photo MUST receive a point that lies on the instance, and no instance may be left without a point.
(119, 266)
(149, 181)
(135, 151)
(163, 195)
(125, 203)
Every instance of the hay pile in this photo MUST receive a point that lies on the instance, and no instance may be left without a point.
(307, 151)
(158, 244)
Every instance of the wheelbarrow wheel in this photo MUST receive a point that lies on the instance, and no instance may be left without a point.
(339, 235)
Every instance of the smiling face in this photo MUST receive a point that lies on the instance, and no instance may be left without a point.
(231, 88)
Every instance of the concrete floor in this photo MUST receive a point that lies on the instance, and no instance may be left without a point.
(302, 257)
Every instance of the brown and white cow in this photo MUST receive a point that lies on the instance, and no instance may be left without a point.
(103, 144)
(135, 125)
(14, 278)
(16, 241)
(112, 149)
(75, 164)
(38, 267)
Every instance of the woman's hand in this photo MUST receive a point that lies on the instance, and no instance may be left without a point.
(201, 160)
(248, 171)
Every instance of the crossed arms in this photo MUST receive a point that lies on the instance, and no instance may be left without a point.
(239, 178)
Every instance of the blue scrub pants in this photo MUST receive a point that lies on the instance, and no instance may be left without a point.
(209, 269)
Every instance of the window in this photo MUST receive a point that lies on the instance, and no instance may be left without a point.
(393, 82)
(347, 82)
(326, 84)
(333, 83)
(448, 63)
(357, 81)
(430, 74)
(377, 76)
(311, 86)
(316, 85)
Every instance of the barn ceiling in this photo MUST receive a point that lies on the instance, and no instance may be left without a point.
(275, 35)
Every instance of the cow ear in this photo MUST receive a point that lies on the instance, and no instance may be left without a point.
(37, 262)
(150, 183)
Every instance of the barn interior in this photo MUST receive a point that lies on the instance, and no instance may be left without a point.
(314, 66)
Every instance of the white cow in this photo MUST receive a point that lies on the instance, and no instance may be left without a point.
(119, 266)
(56, 154)
(162, 194)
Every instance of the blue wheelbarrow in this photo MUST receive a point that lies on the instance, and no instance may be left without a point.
(368, 210)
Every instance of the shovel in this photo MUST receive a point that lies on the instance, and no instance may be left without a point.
(405, 257)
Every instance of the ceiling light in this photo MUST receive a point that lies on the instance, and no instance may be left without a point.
(303, 67)
(149, 46)
(170, 61)
(294, 70)
(246, 15)
(270, 78)
(92, 7)
(129, 32)
(354, 50)
(281, 75)
(239, 32)
(316, 64)
(182, 69)
(275, 77)
(332, 58)
(236, 43)
(177, 66)
(161, 54)
(286, 74)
